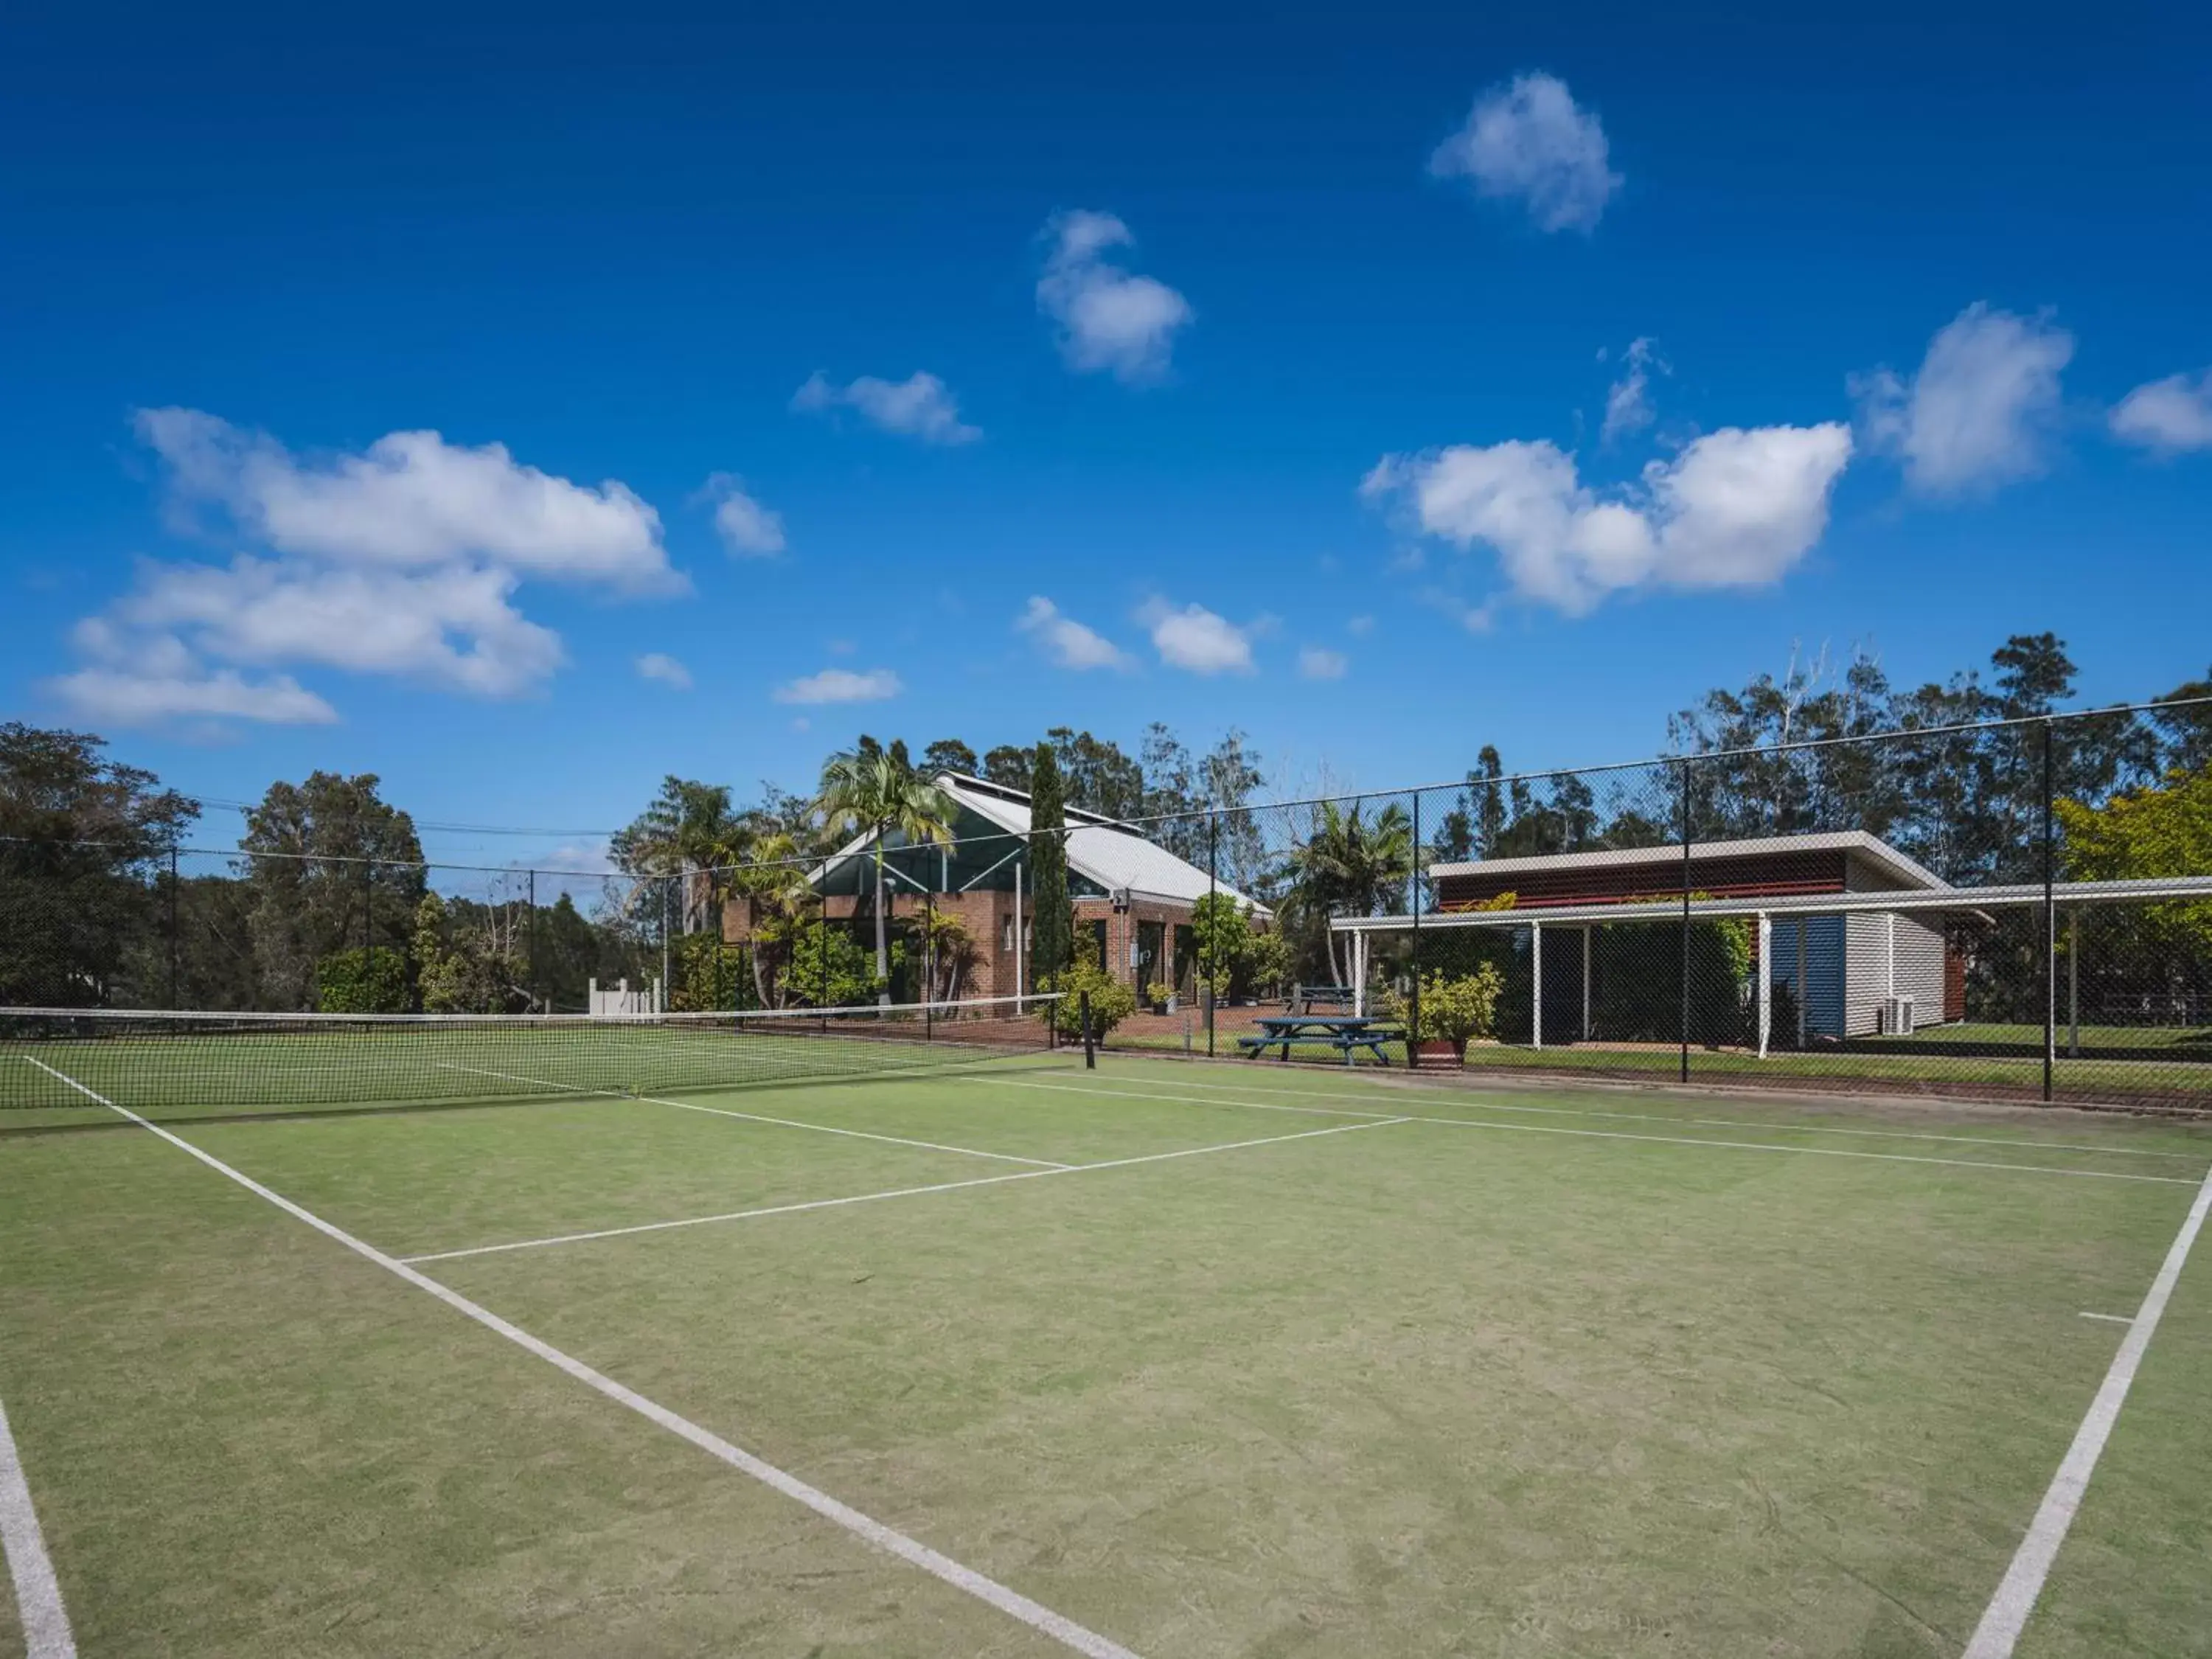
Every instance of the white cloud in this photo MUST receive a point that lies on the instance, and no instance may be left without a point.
(2167, 416)
(1195, 639)
(453, 628)
(401, 561)
(659, 665)
(1628, 401)
(748, 530)
(842, 685)
(1360, 627)
(1067, 642)
(1317, 663)
(1109, 319)
(921, 406)
(410, 500)
(1979, 413)
(1530, 141)
(124, 696)
(1737, 508)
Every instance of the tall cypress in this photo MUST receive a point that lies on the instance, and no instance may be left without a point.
(1054, 923)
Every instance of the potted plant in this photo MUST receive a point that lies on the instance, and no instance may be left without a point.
(1161, 995)
(1454, 1010)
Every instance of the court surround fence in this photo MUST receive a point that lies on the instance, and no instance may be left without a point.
(2013, 909)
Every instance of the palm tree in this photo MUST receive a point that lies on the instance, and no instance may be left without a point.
(1352, 867)
(772, 881)
(878, 791)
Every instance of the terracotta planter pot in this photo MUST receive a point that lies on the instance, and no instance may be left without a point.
(1441, 1048)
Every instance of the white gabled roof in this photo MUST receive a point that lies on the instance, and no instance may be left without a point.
(1872, 848)
(1098, 850)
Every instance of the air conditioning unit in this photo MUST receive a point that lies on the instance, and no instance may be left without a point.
(1120, 896)
(1896, 1016)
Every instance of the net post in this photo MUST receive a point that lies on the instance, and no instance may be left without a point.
(1685, 1073)
(2049, 925)
(1089, 1043)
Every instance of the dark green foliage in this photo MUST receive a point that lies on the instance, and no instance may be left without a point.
(83, 870)
(368, 981)
(1053, 930)
(332, 868)
(1088, 984)
(949, 755)
(831, 969)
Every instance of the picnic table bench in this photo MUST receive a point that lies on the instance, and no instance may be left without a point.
(1343, 1032)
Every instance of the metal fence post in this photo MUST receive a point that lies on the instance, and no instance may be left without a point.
(533, 985)
(1212, 922)
(1089, 1043)
(1685, 1073)
(1413, 997)
(2050, 927)
(172, 923)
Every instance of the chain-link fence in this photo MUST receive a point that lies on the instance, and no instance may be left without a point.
(2016, 909)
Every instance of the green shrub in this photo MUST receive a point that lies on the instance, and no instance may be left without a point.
(371, 982)
(1460, 1008)
(1111, 1002)
(830, 968)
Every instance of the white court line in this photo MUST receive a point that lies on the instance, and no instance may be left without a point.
(2015, 1598)
(755, 1117)
(1036, 1616)
(1483, 1103)
(1611, 1134)
(38, 1592)
(897, 1192)
(2116, 1319)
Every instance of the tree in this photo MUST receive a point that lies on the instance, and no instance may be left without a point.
(82, 846)
(949, 755)
(689, 835)
(2162, 954)
(1098, 777)
(878, 791)
(1055, 926)
(1351, 865)
(1008, 766)
(332, 868)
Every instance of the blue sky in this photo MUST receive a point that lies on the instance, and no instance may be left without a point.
(1313, 325)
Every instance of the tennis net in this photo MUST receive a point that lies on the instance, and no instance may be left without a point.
(53, 1058)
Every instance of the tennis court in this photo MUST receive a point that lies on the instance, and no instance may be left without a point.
(653, 1338)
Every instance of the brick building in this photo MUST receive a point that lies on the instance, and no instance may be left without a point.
(1132, 897)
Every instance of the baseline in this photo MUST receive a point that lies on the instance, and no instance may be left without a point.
(755, 1117)
(1481, 1101)
(46, 1632)
(1012, 1602)
(2021, 1588)
(896, 1191)
(1617, 1135)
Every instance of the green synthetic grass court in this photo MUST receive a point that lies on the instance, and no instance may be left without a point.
(1181, 1359)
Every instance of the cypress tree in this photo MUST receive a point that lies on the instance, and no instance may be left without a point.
(1055, 923)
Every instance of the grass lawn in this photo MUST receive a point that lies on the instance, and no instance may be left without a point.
(1206, 1359)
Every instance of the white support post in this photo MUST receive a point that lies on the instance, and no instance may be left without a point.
(1359, 975)
(1804, 994)
(1020, 988)
(1536, 985)
(2073, 983)
(1766, 981)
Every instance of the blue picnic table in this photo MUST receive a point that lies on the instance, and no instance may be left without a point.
(1343, 1032)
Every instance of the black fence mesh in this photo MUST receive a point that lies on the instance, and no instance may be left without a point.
(2018, 910)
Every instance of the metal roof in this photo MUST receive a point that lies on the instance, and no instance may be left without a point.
(1872, 848)
(1098, 850)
